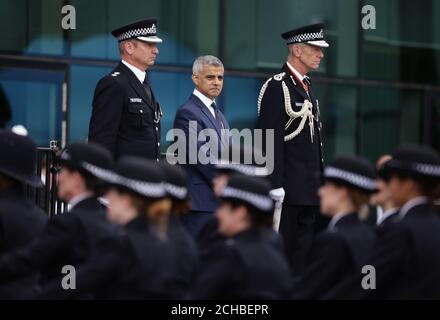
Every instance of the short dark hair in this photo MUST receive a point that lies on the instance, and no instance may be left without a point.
(427, 185)
(90, 181)
(259, 219)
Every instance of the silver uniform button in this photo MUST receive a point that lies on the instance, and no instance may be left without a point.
(141, 111)
(157, 159)
(157, 129)
(158, 144)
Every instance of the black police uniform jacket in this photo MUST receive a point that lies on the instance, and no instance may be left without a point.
(335, 255)
(133, 263)
(124, 119)
(406, 259)
(20, 223)
(246, 266)
(298, 162)
(67, 239)
(185, 255)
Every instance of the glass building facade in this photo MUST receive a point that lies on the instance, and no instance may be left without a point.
(377, 88)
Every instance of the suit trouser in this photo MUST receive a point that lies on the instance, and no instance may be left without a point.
(297, 230)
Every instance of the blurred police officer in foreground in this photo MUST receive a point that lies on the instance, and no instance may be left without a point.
(69, 238)
(406, 254)
(245, 265)
(126, 116)
(341, 250)
(184, 248)
(20, 220)
(287, 105)
(387, 211)
(136, 263)
(239, 159)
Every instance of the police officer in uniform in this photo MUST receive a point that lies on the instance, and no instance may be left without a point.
(136, 262)
(20, 220)
(183, 245)
(246, 265)
(406, 255)
(341, 250)
(386, 211)
(126, 116)
(287, 105)
(68, 238)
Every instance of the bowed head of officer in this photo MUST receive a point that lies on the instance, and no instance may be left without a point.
(245, 264)
(136, 193)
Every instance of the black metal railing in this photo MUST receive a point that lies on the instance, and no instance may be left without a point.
(46, 197)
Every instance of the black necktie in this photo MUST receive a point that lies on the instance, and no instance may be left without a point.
(307, 81)
(217, 115)
(147, 88)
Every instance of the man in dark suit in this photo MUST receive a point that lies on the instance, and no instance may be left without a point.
(287, 105)
(20, 220)
(198, 113)
(69, 238)
(126, 116)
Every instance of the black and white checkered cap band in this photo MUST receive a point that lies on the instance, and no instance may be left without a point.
(261, 202)
(141, 32)
(245, 169)
(425, 169)
(176, 191)
(352, 178)
(304, 37)
(145, 188)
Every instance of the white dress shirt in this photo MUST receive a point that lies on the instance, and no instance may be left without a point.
(295, 72)
(335, 219)
(411, 204)
(206, 101)
(137, 72)
(77, 199)
(385, 214)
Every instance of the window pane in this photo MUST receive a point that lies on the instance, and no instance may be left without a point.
(31, 26)
(337, 105)
(83, 80)
(171, 89)
(34, 99)
(239, 101)
(389, 117)
(189, 28)
(406, 34)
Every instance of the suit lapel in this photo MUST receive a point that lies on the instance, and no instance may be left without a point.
(294, 83)
(136, 85)
(207, 113)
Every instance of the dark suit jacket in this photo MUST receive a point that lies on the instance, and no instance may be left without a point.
(199, 175)
(334, 256)
(67, 240)
(123, 117)
(248, 266)
(20, 223)
(298, 162)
